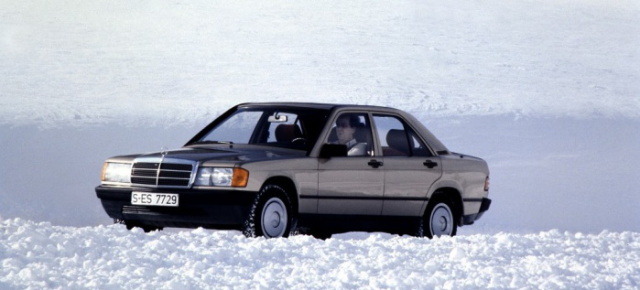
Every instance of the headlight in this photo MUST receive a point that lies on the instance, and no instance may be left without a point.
(229, 177)
(116, 172)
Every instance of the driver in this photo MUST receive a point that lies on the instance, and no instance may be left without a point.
(346, 127)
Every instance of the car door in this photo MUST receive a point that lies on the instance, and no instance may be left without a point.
(351, 185)
(410, 167)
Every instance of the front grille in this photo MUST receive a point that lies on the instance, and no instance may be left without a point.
(161, 174)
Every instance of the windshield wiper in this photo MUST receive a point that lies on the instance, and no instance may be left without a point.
(214, 142)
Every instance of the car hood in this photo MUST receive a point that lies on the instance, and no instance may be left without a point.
(223, 154)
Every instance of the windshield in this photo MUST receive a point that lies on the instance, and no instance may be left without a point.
(287, 128)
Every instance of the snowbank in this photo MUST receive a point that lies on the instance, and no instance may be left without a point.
(42, 256)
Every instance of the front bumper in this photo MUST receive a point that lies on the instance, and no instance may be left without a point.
(217, 209)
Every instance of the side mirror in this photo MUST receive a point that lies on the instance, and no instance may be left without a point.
(333, 150)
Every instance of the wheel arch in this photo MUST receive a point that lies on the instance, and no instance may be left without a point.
(453, 196)
(289, 187)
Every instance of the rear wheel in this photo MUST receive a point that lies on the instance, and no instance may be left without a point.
(439, 219)
(321, 234)
(270, 215)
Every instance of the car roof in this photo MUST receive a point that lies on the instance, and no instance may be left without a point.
(322, 106)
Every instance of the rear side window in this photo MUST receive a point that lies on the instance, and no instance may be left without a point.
(397, 139)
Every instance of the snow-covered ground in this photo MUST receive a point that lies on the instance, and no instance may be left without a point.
(183, 62)
(39, 255)
(546, 91)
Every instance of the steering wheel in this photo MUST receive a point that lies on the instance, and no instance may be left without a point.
(301, 140)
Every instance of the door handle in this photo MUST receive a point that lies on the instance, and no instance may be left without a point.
(375, 163)
(430, 164)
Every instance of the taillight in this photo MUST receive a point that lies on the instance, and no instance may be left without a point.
(486, 184)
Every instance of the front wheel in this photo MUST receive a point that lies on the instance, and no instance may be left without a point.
(147, 229)
(439, 220)
(270, 215)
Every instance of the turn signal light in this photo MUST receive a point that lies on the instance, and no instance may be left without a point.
(240, 177)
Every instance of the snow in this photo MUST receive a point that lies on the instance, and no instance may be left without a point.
(545, 91)
(39, 255)
(100, 62)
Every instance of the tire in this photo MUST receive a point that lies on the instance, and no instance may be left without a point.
(147, 229)
(270, 215)
(439, 220)
(321, 234)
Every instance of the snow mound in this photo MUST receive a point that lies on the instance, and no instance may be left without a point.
(42, 256)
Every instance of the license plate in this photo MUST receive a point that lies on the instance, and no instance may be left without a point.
(157, 199)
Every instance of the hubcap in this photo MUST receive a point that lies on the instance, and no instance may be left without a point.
(274, 218)
(441, 222)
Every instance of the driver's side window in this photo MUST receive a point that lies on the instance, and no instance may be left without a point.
(354, 131)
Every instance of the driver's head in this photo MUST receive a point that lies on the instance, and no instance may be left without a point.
(346, 127)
